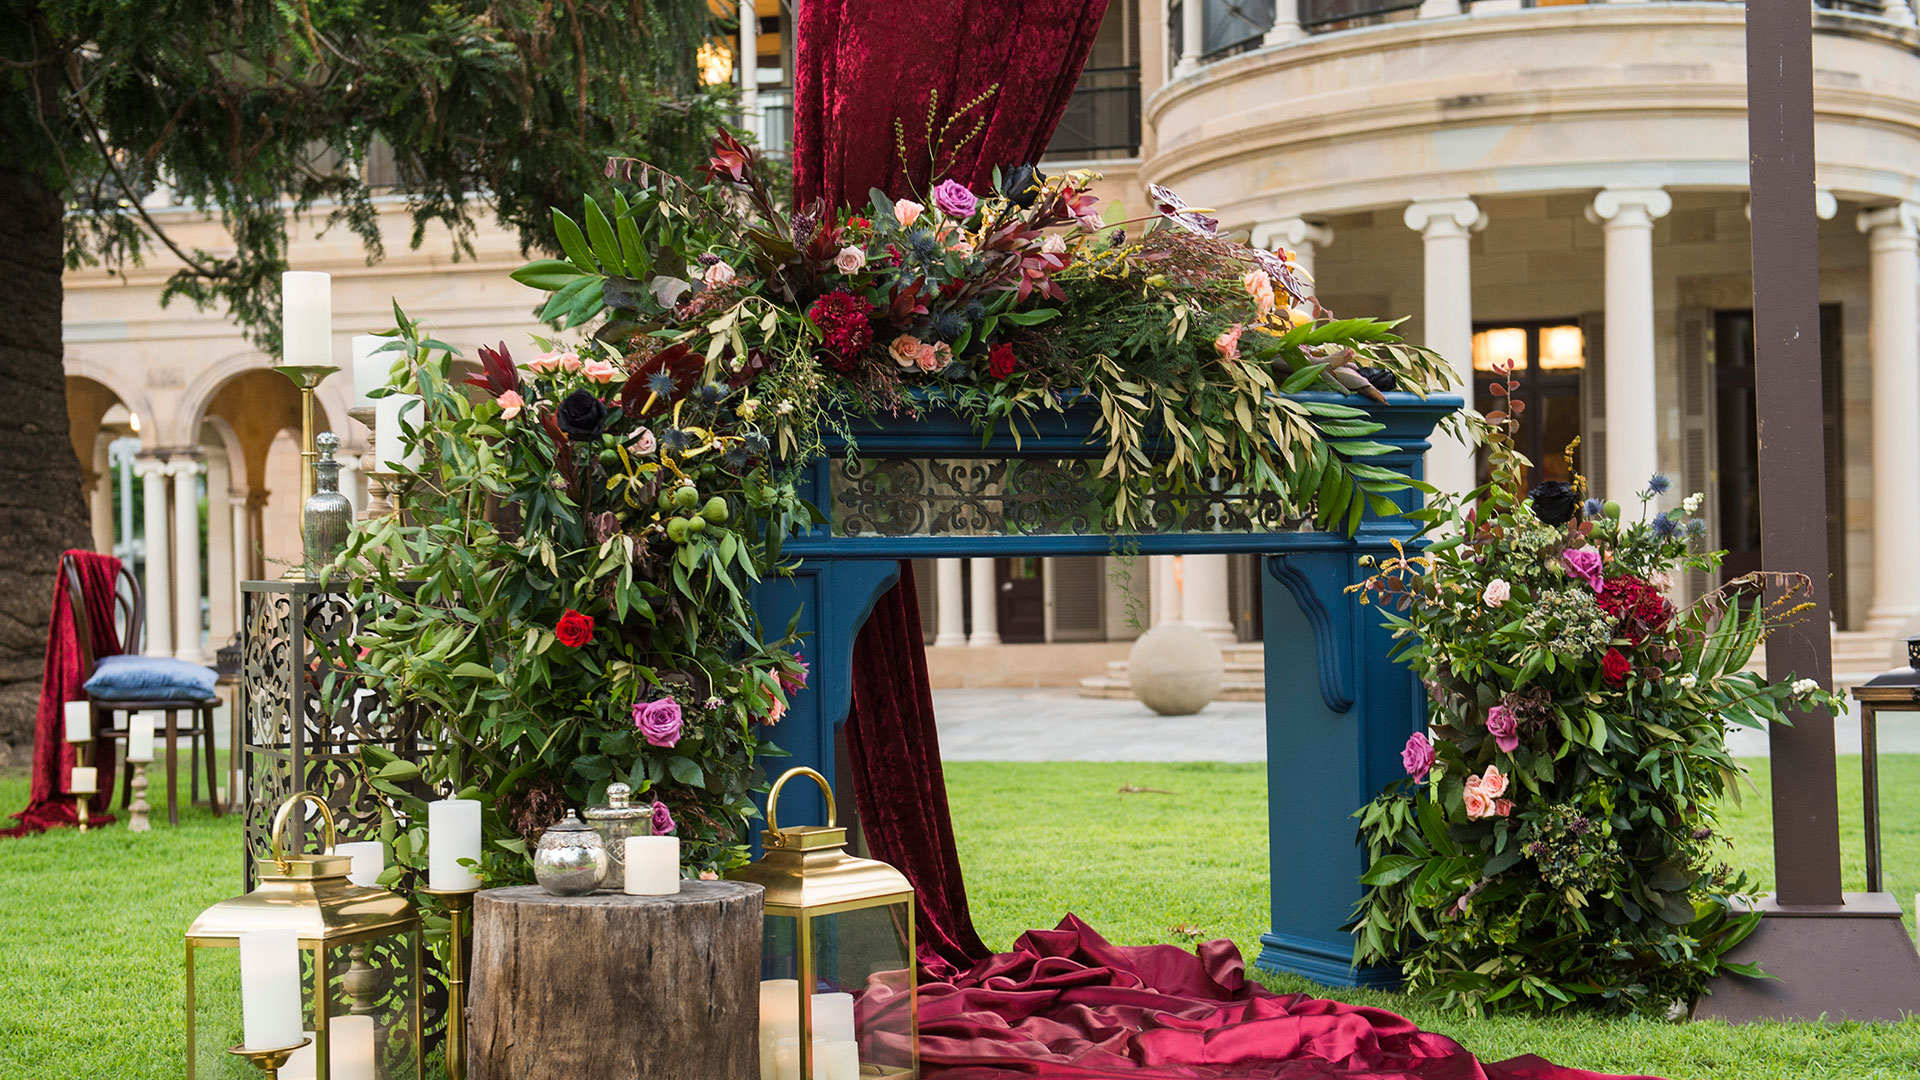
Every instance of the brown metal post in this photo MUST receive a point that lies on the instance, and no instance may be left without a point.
(1793, 481)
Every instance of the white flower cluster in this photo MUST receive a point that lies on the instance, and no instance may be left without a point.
(1689, 681)
(1805, 687)
(1693, 503)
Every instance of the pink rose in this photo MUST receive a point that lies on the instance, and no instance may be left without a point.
(1478, 805)
(662, 820)
(906, 212)
(719, 275)
(600, 371)
(708, 875)
(1260, 287)
(1229, 341)
(510, 404)
(1584, 563)
(1493, 782)
(1417, 755)
(962, 248)
(1497, 592)
(954, 200)
(1504, 728)
(906, 350)
(850, 260)
(1503, 807)
(642, 443)
(569, 361)
(549, 362)
(1054, 244)
(658, 721)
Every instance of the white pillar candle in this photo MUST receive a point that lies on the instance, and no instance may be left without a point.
(453, 834)
(350, 1048)
(306, 317)
(270, 988)
(653, 865)
(786, 1059)
(302, 1065)
(392, 449)
(779, 1019)
(140, 737)
(836, 1060)
(84, 781)
(833, 1017)
(370, 368)
(79, 716)
(369, 859)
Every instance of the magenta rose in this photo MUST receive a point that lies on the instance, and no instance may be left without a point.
(1504, 728)
(1584, 563)
(1417, 755)
(794, 681)
(662, 820)
(658, 721)
(954, 200)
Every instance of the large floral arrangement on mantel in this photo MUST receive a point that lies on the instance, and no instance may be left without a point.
(1554, 843)
(567, 585)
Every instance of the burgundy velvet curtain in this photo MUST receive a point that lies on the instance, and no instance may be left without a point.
(862, 64)
(60, 682)
(898, 784)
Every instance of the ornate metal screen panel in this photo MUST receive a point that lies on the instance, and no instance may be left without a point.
(981, 496)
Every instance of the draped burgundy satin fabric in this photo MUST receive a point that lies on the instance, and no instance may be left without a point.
(60, 680)
(862, 64)
(1067, 1005)
(894, 751)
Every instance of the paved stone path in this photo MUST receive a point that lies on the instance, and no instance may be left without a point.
(1059, 725)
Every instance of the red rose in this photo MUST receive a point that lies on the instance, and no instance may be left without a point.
(1615, 668)
(574, 629)
(1001, 362)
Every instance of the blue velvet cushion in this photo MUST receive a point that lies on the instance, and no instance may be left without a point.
(150, 678)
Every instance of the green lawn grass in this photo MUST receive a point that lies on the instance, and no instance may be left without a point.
(90, 926)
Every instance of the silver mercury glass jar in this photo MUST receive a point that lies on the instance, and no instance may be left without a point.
(570, 859)
(616, 821)
(328, 515)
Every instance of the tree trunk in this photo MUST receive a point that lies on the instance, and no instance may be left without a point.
(42, 512)
(612, 987)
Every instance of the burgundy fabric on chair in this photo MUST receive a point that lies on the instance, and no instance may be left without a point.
(860, 64)
(1067, 1005)
(60, 679)
(898, 784)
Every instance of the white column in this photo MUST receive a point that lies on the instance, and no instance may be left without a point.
(158, 583)
(750, 69)
(1193, 28)
(100, 496)
(186, 548)
(125, 539)
(986, 605)
(1438, 9)
(1204, 603)
(1893, 237)
(1446, 227)
(221, 575)
(237, 504)
(1633, 434)
(1286, 23)
(1298, 235)
(1899, 11)
(950, 603)
(1163, 589)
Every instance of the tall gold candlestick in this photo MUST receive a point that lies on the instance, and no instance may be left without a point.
(268, 1061)
(458, 902)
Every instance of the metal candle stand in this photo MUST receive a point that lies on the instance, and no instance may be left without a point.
(458, 903)
(269, 1061)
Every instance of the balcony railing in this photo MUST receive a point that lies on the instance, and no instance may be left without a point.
(1102, 117)
(1322, 15)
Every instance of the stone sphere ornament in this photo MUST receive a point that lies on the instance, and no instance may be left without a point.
(1176, 669)
(570, 858)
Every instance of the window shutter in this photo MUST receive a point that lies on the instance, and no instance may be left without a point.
(1593, 403)
(1076, 591)
(1695, 327)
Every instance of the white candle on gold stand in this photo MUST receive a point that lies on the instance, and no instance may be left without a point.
(453, 834)
(79, 716)
(370, 368)
(653, 865)
(84, 781)
(140, 737)
(833, 1017)
(392, 450)
(369, 859)
(306, 318)
(270, 988)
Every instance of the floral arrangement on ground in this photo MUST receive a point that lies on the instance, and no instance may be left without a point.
(1554, 842)
(566, 586)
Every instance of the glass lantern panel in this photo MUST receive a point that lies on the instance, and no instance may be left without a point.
(780, 998)
(371, 1024)
(863, 1024)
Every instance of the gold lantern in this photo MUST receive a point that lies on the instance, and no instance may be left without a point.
(837, 967)
(360, 967)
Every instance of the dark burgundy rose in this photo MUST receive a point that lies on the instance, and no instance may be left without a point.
(1554, 502)
(582, 415)
(1615, 668)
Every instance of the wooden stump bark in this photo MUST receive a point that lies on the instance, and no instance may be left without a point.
(616, 987)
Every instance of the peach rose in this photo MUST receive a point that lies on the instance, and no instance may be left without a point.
(1054, 244)
(600, 371)
(1503, 807)
(718, 275)
(569, 361)
(906, 212)
(510, 404)
(1260, 287)
(1497, 592)
(962, 248)
(1493, 783)
(1229, 341)
(850, 260)
(933, 358)
(549, 362)
(906, 350)
(1478, 805)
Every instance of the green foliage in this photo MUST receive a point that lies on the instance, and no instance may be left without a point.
(256, 111)
(1562, 849)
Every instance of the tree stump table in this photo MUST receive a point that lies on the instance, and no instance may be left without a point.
(615, 987)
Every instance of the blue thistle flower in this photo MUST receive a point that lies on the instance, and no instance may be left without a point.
(660, 383)
(756, 444)
(673, 440)
(736, 459)
(924, 245)
(975, 311)
(1592, 508)
(1696, 528)
(948, 326)
(1658, 483)
(1665, 527)
(712, 394)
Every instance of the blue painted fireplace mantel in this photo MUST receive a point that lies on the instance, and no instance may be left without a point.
(1338, 710)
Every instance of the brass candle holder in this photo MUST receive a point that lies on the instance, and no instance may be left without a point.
(269, 1061)
(308, 378)
(457, 902)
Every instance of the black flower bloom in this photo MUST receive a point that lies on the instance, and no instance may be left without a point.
(582, 415)
(1554, 502)
(1021, 185)
(1380, 378)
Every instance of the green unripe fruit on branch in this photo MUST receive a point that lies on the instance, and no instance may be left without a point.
(677, 530)
(686, 497)
(696, 525)
(1611, 509)
(715, 510)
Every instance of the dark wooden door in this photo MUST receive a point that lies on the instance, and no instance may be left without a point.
(1021, 588)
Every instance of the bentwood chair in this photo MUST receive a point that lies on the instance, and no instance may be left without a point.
(130, 615)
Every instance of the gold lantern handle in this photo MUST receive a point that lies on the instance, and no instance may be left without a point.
(773, 797)
(286, 811)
